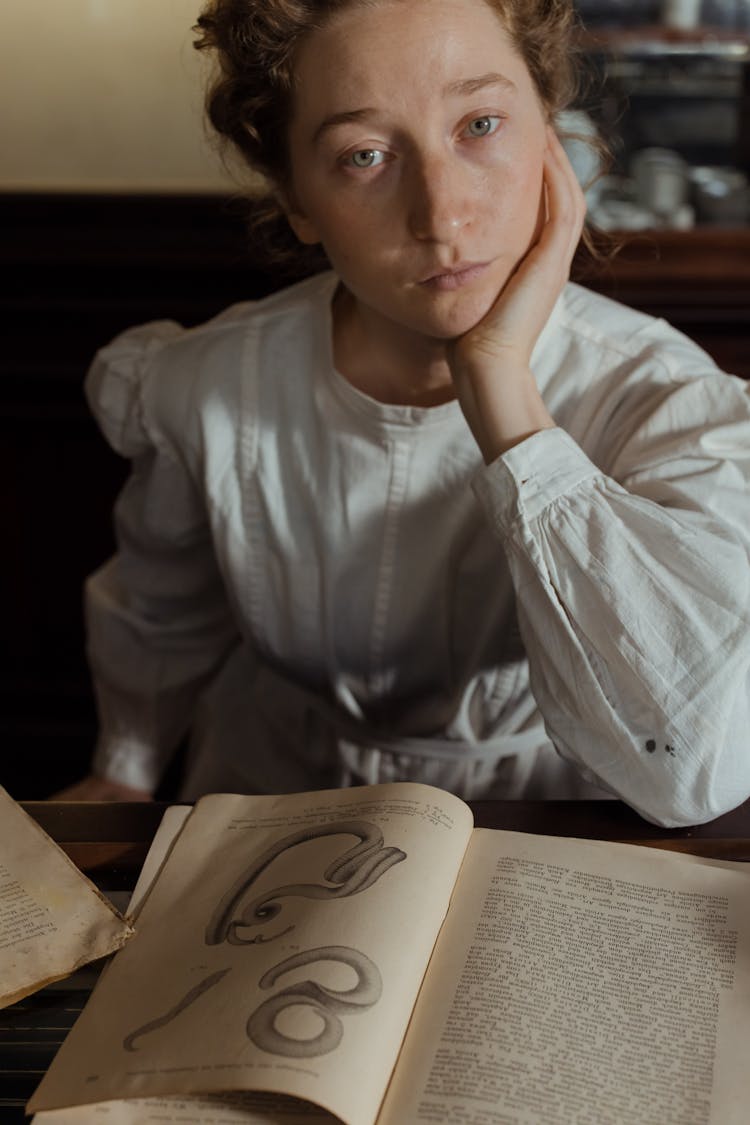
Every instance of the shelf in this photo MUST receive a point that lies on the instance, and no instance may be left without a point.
(655, 40)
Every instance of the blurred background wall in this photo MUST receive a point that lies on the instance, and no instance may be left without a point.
(103, 95)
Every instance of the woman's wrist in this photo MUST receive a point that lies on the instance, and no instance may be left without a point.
(502, 407)
(95, 788)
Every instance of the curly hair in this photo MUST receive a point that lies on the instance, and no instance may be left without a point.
(249, 102)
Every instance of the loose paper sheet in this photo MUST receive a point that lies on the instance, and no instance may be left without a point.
(52, 918)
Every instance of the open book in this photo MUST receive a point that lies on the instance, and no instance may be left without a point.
(52, 919)
(367, 956)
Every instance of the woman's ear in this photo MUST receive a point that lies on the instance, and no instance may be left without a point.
(303, 227)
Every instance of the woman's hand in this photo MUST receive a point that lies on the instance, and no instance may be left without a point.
(490, 364)
(94, 788)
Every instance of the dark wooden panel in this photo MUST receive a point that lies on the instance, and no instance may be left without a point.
(75, 271)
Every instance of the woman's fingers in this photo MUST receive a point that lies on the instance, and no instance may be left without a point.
(523, 307)
(491, 364)
(566, 204)
(566, 210)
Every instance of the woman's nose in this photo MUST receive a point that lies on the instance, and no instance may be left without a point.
(439, 200)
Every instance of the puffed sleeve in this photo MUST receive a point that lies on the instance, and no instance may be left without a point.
(158, 624)
(633, 588)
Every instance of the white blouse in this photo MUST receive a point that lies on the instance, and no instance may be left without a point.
(330, 590)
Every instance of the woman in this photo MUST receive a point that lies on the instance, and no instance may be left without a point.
(435, 515)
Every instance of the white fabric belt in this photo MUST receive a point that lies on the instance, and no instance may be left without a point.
(367, 754)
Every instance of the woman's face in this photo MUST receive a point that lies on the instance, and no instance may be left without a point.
(417, 146)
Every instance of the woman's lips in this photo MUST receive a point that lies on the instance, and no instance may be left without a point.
(457, 277)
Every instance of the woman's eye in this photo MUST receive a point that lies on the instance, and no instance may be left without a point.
(367, 158)
(483, 126)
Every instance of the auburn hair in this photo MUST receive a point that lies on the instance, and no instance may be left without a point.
(250, 98)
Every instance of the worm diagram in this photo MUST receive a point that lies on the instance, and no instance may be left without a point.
(239, 912)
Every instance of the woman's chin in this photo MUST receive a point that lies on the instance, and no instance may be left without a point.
(447, 319)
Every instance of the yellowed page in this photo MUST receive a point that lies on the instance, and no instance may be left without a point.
(281, 949)
(583, 981)
(170, 826)
(52, 919)
(213, 1109)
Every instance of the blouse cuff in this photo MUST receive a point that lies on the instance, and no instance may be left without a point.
(525, 480)
(128, 762)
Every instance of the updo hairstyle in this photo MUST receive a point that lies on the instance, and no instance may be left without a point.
(249, 101)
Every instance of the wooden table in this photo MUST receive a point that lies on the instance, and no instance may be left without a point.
(110, 842)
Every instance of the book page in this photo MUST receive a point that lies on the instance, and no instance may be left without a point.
(281, 950)
(52, 918)
(216, 1109)
(213, 1109)
(170, 826)
(582, 981)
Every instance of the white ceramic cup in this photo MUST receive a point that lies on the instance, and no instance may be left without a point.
(661, 178)
(683, 15)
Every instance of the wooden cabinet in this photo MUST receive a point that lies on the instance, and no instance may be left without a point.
(78, 269)
(698, 280)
